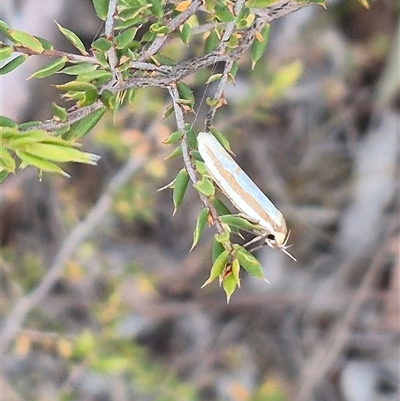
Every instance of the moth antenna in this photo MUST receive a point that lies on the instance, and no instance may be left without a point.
(287, 253)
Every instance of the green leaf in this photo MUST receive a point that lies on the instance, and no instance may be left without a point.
(185, 93)
(101, 8)
(13, 64)
(50, 68)
(7, 122)
(217, 268)
(236, 271)
(223, 237)
(101, 44)
(237, 221)
(60, 113)
(200, 224)
(99, 76)
(180, 185)
(248, 262)
(159, 29)
(89, 97)
(131, 94)
(157, 7)
(258, 48)
(259, 3)
(5, 52)
(45, 43)
(39, 163)
(8, 133)
(223, 13)
(26, 40)
(229, 285)
(79, 86)
(205, 187)
(185, 32)
(73, 39)
(5, 30)
(216, 249)
(213, 78)
(109, 99)
(3, 175)
(175, 137)
(125, 38)
(168, 111)
(234, 69)
(23, 139)
(211, 42)
(61, 131)
(221, 139)
(191, 136)
(6, 160)
(29, 125)
(220, 207)
(175, 153)
(61, 154)
(80, 68)
(82, 127)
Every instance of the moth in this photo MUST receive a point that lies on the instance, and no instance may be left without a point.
(251, 202)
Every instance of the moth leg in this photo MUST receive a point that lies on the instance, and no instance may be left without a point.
(255, 239)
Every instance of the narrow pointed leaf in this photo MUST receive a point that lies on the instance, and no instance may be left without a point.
(73, 39)
(175, 153)
(249, 262)
(80, 68)
(180, 185)
(82, 127)
(185, 93)
(200, 224)
(211, 42)
(236, 271)
(221, 139)
(258, 48)
(101, 44)
(38, 162)
(229, 286)
(61, 154)
(173, 138)
(5, 52)
(26, 40)
(125, 38)
(7, 122)
(185, 33)
(217, 268)
(7, 162)
(60, 113)
(79, 86)
(13, 64)
(101, 8)
(205, 187)
(216, 249)
(237, 221)
(50, 69)
(222, 238)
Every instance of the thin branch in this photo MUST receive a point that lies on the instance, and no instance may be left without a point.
(57, 53)
(180, 122)
(78, 234)
(172, 26)
(109, 34)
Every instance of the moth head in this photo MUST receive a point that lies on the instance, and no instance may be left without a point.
(278, 240)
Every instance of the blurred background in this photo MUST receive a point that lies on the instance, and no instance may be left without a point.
(101, 300)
